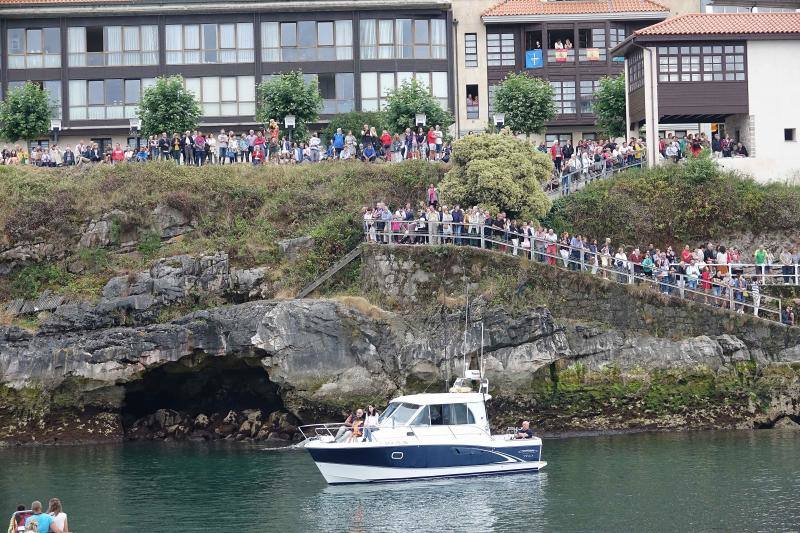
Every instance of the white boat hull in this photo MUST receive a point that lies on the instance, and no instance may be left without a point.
(336, 474)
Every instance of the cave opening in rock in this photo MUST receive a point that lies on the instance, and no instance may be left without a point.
(202, 384)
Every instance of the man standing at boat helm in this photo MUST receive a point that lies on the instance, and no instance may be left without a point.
(526, 432)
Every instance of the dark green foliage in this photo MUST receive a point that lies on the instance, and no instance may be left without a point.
(527, 102)
(25, 113)
(409, 99)
(609, 106)
(29, 281)
(168, 107)
(289, 94)
(149, 244)
(676, 204)
(354, 121)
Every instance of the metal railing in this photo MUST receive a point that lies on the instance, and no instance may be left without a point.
(564, 184)
(726, 296)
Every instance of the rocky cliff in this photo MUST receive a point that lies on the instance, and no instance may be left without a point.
(566, 350)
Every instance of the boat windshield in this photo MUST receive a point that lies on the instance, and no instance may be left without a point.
(388, 412)
(402, 413)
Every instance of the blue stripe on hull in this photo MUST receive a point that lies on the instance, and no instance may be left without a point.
(433, 456)
(443, 476)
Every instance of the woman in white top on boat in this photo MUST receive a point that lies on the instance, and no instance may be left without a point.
(58, 514)
(370, 422)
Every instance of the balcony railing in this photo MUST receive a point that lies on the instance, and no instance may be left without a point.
(592, 54)
(112, 59)
(210, 56)
(34, 60)
(561, 56)
(334, 106)
(297, 54)
(101, 112)
(472, 111)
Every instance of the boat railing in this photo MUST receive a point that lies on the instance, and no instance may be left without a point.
(317, 431)
(332, 430)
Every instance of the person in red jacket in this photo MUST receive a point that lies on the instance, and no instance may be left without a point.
(386, 142)
(431, 144)
(118, 154)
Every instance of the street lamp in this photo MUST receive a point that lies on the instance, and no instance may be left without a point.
(289, 122)
(420, 119)
(136, 126)
(499, 120)
(55, 127)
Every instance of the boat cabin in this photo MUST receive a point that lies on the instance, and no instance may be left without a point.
(431, 410)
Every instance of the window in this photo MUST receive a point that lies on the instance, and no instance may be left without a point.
(696, 63)
(588, 88)
(564, 96)
(34, 48)
(53, 88)
(492, 92)
(471, 100)
(668, 63)
(106, 99)
(224, 96)
(729, 9)
(189, 44)
(789, 134)
(562, 138)
(636, 70)
(500, 49)
(96, 46)
(403, 39)
(615, 36)
(444, 415)
(337, 91)
(734, 63)
(470, 50)
(533, 40)
(306, 41)
(375, 86)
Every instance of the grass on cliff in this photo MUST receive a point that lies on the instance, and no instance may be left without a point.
(677, 204)
(241, 210)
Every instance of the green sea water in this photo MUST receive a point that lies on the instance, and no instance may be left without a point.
(709, 481)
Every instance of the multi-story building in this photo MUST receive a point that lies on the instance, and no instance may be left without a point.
(96, 57)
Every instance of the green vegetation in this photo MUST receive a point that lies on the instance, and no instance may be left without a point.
(168, 107)
(289, 94)
(676, 204)
(241, 210)
(527, 102)
(411, 98)
(25, 113)
(498, 172)
(609, 106)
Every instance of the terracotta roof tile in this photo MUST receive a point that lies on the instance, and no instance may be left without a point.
(725, 23)
(571, 7)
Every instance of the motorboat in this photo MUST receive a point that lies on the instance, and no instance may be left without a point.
(421, 436)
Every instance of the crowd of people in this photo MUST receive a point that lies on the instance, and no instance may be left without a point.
(36, 520)
(674, 148)
(589, 158)
(716, 274)
(266, 145)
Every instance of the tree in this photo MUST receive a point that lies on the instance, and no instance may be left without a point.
(289, 94)
(354, 121)
(25, 113)
(526, 101)
(411, 98)
(498, 172)
(168, 107)
(609, 106)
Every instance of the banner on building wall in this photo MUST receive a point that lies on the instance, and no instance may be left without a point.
(533, 59)
(618, 59)
(592, 54)
(561, 56)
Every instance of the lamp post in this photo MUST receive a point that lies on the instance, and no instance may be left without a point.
(55, 127)
(420, 119)
(499, 120)
(289, 122)
(136, 126)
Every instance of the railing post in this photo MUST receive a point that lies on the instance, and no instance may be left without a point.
(796, 274)
(730, 297)
(483, 232)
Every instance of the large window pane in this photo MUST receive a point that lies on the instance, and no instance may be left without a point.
(114, 92)
(132, 91)
(307, 40)
(210, 89)
(34, 38)
(96, 95)
(325, 33)
(369, 39)
(16, 41)
(344, 39)
(288, 34)
(52, 41)
(247, 88)
(228, 89)
(191, 37)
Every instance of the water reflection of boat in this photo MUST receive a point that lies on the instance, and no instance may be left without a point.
(422, 436)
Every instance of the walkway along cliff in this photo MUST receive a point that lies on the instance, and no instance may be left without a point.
(567, 350)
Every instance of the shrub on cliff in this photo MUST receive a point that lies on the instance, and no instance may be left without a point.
(499, 173)
(677, 203)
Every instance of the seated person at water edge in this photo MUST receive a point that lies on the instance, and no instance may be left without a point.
(43, 520)
(526, 432)
(344, 434)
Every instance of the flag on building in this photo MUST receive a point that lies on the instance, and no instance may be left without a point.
(561, 56)
(533, 58)
(592, 54)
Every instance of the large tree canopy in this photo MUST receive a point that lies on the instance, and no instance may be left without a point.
(526, 101)
(25, 113)
(289, 94)
(411, 98)
(609, 106)
(168, 107)
(500, 173)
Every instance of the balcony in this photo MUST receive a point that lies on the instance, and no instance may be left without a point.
(112, 59)
(592, 54)
(210, 56)
(561, 56)
(334, 106)
(473, 111)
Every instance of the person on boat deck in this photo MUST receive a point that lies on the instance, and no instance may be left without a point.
(341, 435)
(358, 426)
(526, 432)
(370, 422)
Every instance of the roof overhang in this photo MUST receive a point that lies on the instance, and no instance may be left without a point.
(543, 17)
(179, 8)
(623, 48)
